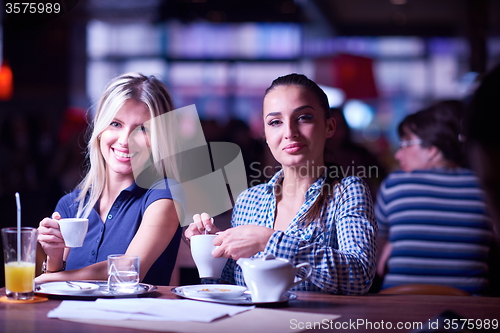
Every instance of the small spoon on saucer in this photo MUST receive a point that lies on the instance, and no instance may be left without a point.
(74, 285)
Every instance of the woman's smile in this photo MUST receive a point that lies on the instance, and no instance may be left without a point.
(123, 155)
(294, 147)
(124, 144)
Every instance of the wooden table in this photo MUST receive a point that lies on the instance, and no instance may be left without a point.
(369, 313)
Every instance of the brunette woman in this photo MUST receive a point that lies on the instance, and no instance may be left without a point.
(306, 212)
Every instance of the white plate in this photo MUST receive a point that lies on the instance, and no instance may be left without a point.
(219, 291)
(50, 289)
(245, 299)
(64, 288)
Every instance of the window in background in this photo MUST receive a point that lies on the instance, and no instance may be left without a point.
(222, 68)
(252, 41)
(225, 68)
(116, 48)
(202, 83)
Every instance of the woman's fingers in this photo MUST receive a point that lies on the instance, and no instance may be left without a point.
(207, 221)
(197, 224)
(218, 252)
(202, 224)
(48, 231)
(49, 223)
(50, 239)
(242, 241)
(195, 228)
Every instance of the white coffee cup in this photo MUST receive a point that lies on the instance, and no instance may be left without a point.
(73, 231)
(268, 277)
(202, 247)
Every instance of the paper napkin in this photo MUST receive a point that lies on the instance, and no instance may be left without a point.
(145, 309)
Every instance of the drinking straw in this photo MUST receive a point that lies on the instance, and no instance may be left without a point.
(18, 203)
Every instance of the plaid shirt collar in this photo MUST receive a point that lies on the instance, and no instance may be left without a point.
(277, 180)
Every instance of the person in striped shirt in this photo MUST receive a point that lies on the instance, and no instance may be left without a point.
(432, 212)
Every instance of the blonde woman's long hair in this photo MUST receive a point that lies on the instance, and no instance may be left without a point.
(155, 96)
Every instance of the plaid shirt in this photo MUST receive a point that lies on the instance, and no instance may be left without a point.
(341, 246)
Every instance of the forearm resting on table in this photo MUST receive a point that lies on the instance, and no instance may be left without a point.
(97, 271)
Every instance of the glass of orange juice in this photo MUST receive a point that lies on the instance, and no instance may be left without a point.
(19, 250)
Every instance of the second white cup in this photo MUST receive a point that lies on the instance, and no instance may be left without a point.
(73, 231)
(208, 266)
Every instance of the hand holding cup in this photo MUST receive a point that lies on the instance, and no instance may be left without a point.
(54, 234)
(50, 237)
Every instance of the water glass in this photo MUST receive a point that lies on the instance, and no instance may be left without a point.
(123, 273)
(19, 252)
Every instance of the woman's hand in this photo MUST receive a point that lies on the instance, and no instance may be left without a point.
(50, 237)
(201, 223)
(242, 241)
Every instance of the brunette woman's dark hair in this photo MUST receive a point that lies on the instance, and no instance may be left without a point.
(314, 212)
(440, 126)
(306, 83)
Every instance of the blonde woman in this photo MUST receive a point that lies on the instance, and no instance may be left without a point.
(129, 140)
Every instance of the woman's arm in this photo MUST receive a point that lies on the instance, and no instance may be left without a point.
(158, 226)
(97, 271)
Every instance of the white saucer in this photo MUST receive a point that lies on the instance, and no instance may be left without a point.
(64, 288)
(243, 299)
(218, 291)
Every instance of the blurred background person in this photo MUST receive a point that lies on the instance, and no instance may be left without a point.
(351, 157)
(483, 148)
(432, 212)
(483, 141)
